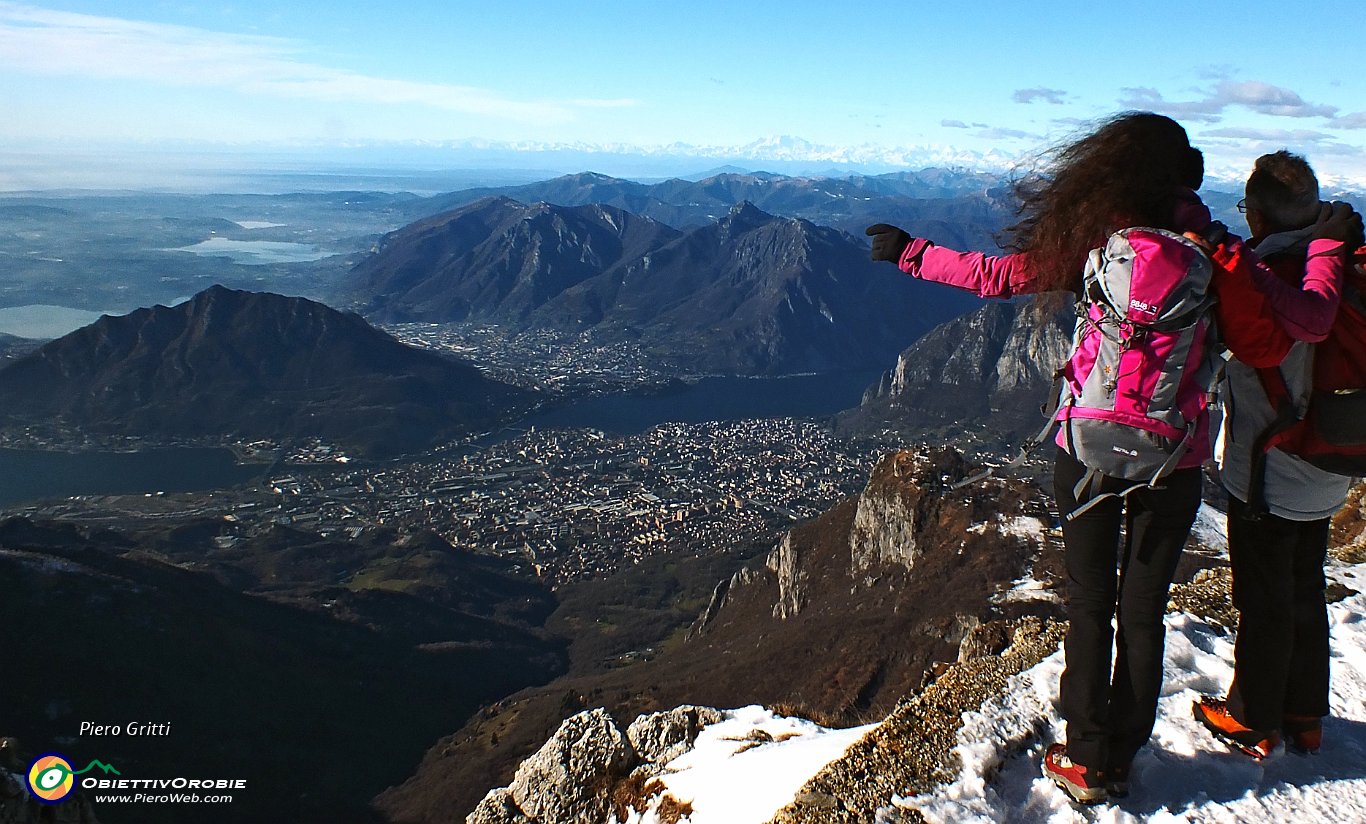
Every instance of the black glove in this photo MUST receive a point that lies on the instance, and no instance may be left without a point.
(1339, 221)
(889, 242)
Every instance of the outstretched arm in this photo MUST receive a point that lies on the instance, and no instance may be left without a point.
(988, 276)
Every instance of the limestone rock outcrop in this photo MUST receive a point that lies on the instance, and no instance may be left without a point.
(573, 778)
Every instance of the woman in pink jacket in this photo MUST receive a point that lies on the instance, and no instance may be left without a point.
(1137, 169)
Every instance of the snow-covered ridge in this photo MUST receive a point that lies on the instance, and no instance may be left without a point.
(1184, 775)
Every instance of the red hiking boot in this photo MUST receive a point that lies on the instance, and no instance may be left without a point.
(1085, 786)
(1214, 714)
(1303, 733)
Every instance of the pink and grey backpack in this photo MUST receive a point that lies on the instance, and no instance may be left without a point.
(1145, 359)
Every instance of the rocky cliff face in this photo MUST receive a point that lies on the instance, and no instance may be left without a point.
(891, 515)
(991, 369)
(785, 564)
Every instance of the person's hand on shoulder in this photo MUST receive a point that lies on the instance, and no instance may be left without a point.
(1339, 221)
(889, 242)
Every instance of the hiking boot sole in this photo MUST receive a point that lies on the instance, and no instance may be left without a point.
(1079, 794)
(1253, 752)
(1250, 750)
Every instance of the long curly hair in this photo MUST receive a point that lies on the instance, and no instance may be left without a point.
(1129, 171)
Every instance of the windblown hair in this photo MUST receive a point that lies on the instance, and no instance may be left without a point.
(1285, 190)
(1128, 172)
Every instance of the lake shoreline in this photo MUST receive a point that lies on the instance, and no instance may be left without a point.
(64, 470)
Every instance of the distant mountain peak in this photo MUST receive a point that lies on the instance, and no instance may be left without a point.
(745, 215)
(596, 177)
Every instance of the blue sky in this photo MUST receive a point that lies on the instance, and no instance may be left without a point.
(885, 84)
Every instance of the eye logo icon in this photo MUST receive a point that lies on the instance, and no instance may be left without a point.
(50, 778)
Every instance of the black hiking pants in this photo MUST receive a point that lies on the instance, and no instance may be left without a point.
(1281, 653)
(1113, 674)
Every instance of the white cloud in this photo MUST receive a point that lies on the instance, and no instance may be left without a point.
(1053, 96)
(1142, 97)
(1355, 120)
(1270, 135)
(42, 42)
(1254, 95)
(1265, 98)
(1009, 134)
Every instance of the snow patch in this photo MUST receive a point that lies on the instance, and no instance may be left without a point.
(1027, 527)
(1027, 589)
(751, 765)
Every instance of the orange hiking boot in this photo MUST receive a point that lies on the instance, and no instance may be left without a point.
(1085, 786)
(1303, 733)
(1214, 714)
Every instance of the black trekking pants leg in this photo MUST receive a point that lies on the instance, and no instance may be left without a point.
(1110, 704)
(1281, 653)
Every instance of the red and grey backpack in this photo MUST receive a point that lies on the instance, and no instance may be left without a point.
(1144, 362)
(1329, 431)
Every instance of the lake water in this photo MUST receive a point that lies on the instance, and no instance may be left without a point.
(42, 322)
(27, 474)
(714, 399)
(255, 252)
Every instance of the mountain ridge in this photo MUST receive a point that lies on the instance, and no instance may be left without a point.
(233, 364)
(751, 293)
